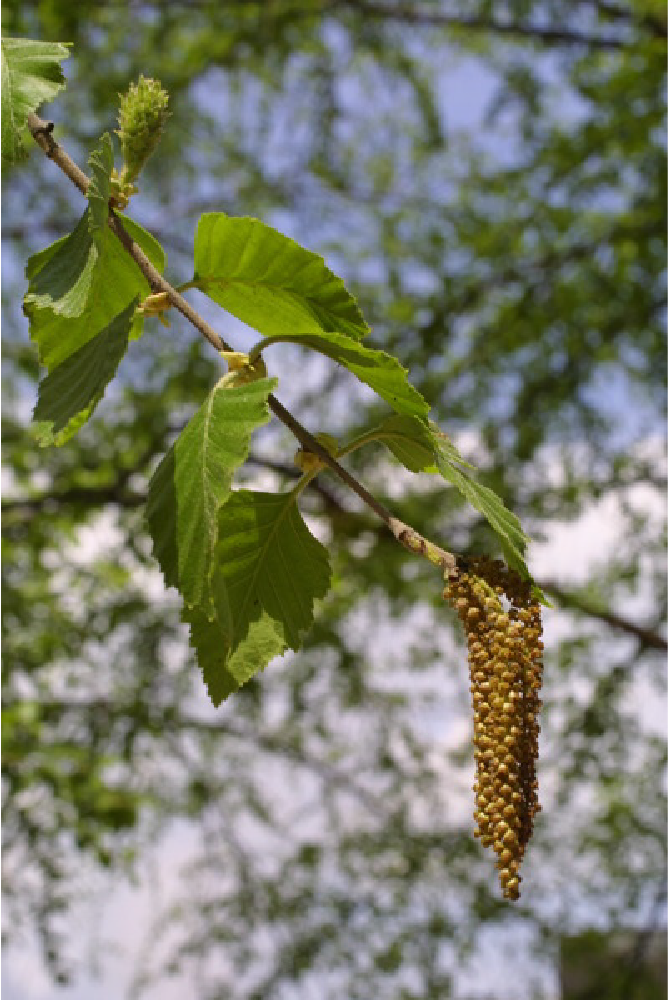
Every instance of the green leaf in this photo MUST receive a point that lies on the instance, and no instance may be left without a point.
(225, 673)
(194, 479)
(267, 558)
(444, 448)
(268, 570)
(76, 288)
(269, 281)
(60, 276)
(68, 396)
(416, 443)
(409, 440)
(423, 447)
(101, 163)
(379, 370)
(31, 76)
(505, 524)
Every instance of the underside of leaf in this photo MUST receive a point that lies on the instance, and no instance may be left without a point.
(268, 572)
(68, 396)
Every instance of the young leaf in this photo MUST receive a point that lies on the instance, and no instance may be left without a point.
(423, 447)
(505, 524)
(410, 440)
(268, 570)
(101, 163)
(269, 281)
(31, 76)
(380, 371)
(76, 288)
(68, 396)
(194, 480)
(417, 443)
(444, 448)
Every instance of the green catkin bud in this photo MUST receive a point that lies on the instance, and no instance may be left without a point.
(141, 118)
(505, 653)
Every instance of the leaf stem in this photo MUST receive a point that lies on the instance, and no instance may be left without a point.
(404, 533)
(361, 441)
(257, 349)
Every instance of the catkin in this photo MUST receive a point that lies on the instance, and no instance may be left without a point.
(141, 118)
(505, 660)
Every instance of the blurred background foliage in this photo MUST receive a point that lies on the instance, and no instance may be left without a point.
(490, 180)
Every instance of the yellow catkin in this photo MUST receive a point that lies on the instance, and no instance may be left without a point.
(505, 660)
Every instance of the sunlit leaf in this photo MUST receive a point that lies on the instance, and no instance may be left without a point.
(31, 76)
(269, 281)
(423, 447)
(76, 288)
(505, 524)
(415, 442)
(194, 479)
(379, 370)
(224, 671)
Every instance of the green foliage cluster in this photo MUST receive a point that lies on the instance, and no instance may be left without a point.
(244, 614)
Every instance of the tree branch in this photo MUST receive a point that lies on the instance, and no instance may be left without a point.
(533, 271)
(421, 16)
(25, 508)
(118, 493)
(403, 533)
(574, 601)
(627, 16)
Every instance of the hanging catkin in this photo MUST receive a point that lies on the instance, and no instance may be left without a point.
(505, 660)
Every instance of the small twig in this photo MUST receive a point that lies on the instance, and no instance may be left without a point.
(404, 533)
(42, 135)
(44, 139)
(160, 284)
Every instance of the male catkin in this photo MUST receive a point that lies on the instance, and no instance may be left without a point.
(505, 661)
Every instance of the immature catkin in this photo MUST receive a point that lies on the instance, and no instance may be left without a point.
(505, 661)
(141, 119)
